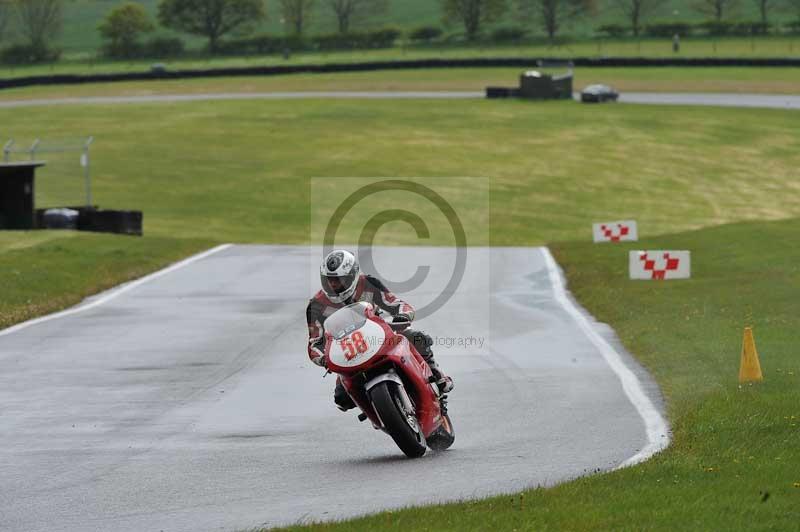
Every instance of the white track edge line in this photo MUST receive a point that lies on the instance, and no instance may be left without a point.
(114, 292)
(656, 427)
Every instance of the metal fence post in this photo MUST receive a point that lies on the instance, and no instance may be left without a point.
(87, 170)
(7, 150)
(70, 147)
(33, 149)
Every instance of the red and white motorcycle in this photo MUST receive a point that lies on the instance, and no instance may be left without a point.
(388, 379)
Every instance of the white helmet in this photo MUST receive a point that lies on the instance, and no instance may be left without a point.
(339, 275)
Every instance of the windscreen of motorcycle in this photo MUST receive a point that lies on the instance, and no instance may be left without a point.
(346, 320)
(358, 346)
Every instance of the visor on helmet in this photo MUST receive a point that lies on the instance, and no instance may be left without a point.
(334, 285)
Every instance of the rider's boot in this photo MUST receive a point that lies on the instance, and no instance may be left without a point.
(443, 382)
(342, 399)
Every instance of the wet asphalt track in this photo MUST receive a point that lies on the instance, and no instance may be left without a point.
(653, 98)
(188, 402)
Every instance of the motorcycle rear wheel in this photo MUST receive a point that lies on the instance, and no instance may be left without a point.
(402, 426)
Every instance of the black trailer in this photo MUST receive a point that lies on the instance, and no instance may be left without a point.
(16, 194)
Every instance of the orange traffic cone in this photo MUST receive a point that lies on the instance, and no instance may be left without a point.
(750, 367)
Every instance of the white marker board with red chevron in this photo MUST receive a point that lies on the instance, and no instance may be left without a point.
(660, 264)
(622, 231)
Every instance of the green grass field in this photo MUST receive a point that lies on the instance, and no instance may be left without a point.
(783, 46)
(240, 171)
(45, 271)
(80, 36)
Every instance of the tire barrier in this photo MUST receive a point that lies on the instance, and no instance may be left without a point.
(520, 62)
(98, 220)
(502, 92)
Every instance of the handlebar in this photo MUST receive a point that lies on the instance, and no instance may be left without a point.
(399, 326)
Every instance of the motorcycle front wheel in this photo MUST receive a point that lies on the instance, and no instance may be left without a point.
(401, 425)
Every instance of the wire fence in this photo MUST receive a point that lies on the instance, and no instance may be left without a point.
(66, 178)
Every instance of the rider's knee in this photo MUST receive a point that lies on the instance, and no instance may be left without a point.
(422, 342)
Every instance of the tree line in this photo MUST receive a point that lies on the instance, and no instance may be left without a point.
(37, 22)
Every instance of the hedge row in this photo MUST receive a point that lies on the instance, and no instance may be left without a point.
(157, 48)
(708, 28)
(684, 29)
(167, 47)
(25, 54)
(270, 44)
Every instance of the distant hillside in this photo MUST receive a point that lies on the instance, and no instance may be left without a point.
(80, 34)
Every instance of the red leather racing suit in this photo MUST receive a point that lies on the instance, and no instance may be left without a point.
(368, 289)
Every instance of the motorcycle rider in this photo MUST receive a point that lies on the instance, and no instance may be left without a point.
(344, 284)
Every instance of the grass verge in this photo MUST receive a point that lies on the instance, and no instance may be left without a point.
(46, 271)
(733, 461)
(662, 79)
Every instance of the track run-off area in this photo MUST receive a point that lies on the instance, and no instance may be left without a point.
(653, 98)
(185, 400)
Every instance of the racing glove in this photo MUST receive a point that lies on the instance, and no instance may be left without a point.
(401, 317)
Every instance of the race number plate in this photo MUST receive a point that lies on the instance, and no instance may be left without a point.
(358, 346)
